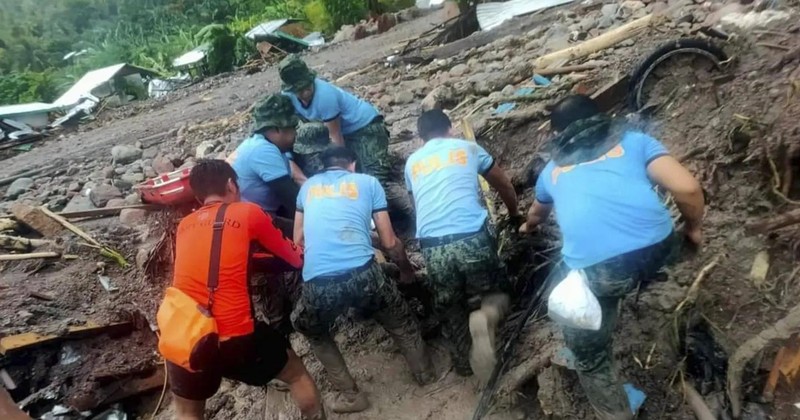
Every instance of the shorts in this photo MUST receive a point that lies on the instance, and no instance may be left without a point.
(253, 359)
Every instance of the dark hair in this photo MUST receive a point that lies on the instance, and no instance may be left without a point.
(210, 177)
(571, 109)
(337, 156)
(433, 123)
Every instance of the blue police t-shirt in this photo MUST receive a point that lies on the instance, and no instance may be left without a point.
(442, 176)
(257, 161)
(338, 206)
(330, 102)
(608, 206)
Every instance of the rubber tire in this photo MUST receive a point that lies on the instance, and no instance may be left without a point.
(681, 46)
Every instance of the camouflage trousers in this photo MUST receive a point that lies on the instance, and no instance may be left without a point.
(610, 281)
(369, 291)
(273, 297)
(460, 273)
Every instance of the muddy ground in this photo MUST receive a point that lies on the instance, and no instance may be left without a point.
(726, 131)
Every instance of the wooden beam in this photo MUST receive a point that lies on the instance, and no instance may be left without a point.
(598, 43)
(611, 93)
(37, 220)
(108, 211)
(26, 341)
(570, 69)
(31, 256)
(9, 409)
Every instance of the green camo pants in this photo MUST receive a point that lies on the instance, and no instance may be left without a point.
(610, 281)
(369, 291)
(371, 146)
(460, 273)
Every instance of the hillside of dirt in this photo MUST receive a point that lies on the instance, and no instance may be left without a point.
(732, 120)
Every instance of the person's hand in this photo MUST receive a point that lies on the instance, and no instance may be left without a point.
(694, 234)
(407, 277)
(527, 228)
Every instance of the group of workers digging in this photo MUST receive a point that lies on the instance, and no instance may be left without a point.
(267, 212)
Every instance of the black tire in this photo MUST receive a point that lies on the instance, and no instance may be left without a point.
(696, 46)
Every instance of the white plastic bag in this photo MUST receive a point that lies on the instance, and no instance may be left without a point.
(572, 303)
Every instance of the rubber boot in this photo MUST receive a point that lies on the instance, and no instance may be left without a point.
(483, 328)
(348, 399)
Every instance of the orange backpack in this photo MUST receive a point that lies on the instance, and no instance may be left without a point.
(189, 336)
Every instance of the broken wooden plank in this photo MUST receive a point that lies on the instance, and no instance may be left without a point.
(786, 365)
(42, 296)
(9, 409)
(786, 219)
(108, 211)
(119, 390)
(104, 250)
(31, 256)
(26, 341)
(37, 220)
(598, 43)
(612, 93)
(16, 243)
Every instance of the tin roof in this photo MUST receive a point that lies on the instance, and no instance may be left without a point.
(491, 15)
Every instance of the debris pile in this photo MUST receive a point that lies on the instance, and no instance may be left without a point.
(75, 332)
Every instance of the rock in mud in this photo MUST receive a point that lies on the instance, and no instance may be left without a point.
(102, 193)
(459, 70)
(610, 10)
(124, 154)
(132, 199)
(79, 203)
(133, 177)
(204, 149)
(116, 202)
(108, 172)
(437, 98)
(74, 187)
(133, 217)
(403, 97)
(417, 86)
(19, 187)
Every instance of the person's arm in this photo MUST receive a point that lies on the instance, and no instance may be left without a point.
(299, 237)
(393, 246)
(667, 172)
(538, 213)
(297, 174)
(335, 131)
(286, 190)
(273, 240)
(542, 204)
(497, 178)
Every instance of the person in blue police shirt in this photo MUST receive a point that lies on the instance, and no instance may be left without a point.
(262, 161)
(351, 122)
(464, 272)
(334, 211)
(601, 182)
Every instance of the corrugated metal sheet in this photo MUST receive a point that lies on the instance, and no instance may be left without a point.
(95, 78)
(31, 108)
(192, 57)
(491, 15)
(267, 28)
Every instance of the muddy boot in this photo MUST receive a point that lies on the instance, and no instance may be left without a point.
(483, 328)
(348, 399)
(350, 402)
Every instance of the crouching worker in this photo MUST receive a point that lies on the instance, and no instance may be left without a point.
(334, 210)
(210, 294)
(466, 277)
(614, 226)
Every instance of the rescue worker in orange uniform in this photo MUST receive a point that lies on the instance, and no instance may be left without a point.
(250, 351)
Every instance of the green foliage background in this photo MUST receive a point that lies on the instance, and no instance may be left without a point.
(35, 35)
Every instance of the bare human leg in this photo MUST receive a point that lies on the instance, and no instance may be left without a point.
(188, 409)
(302, 387)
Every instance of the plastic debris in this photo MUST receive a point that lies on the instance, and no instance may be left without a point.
(504, 108)
(541, 80)
(635, 397)
(523, 91)
(68, 356)
(105, 281)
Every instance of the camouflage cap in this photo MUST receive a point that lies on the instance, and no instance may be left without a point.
(295, 74)
(274, 111)
(311, 138)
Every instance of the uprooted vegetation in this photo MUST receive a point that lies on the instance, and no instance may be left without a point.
(705, 329)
